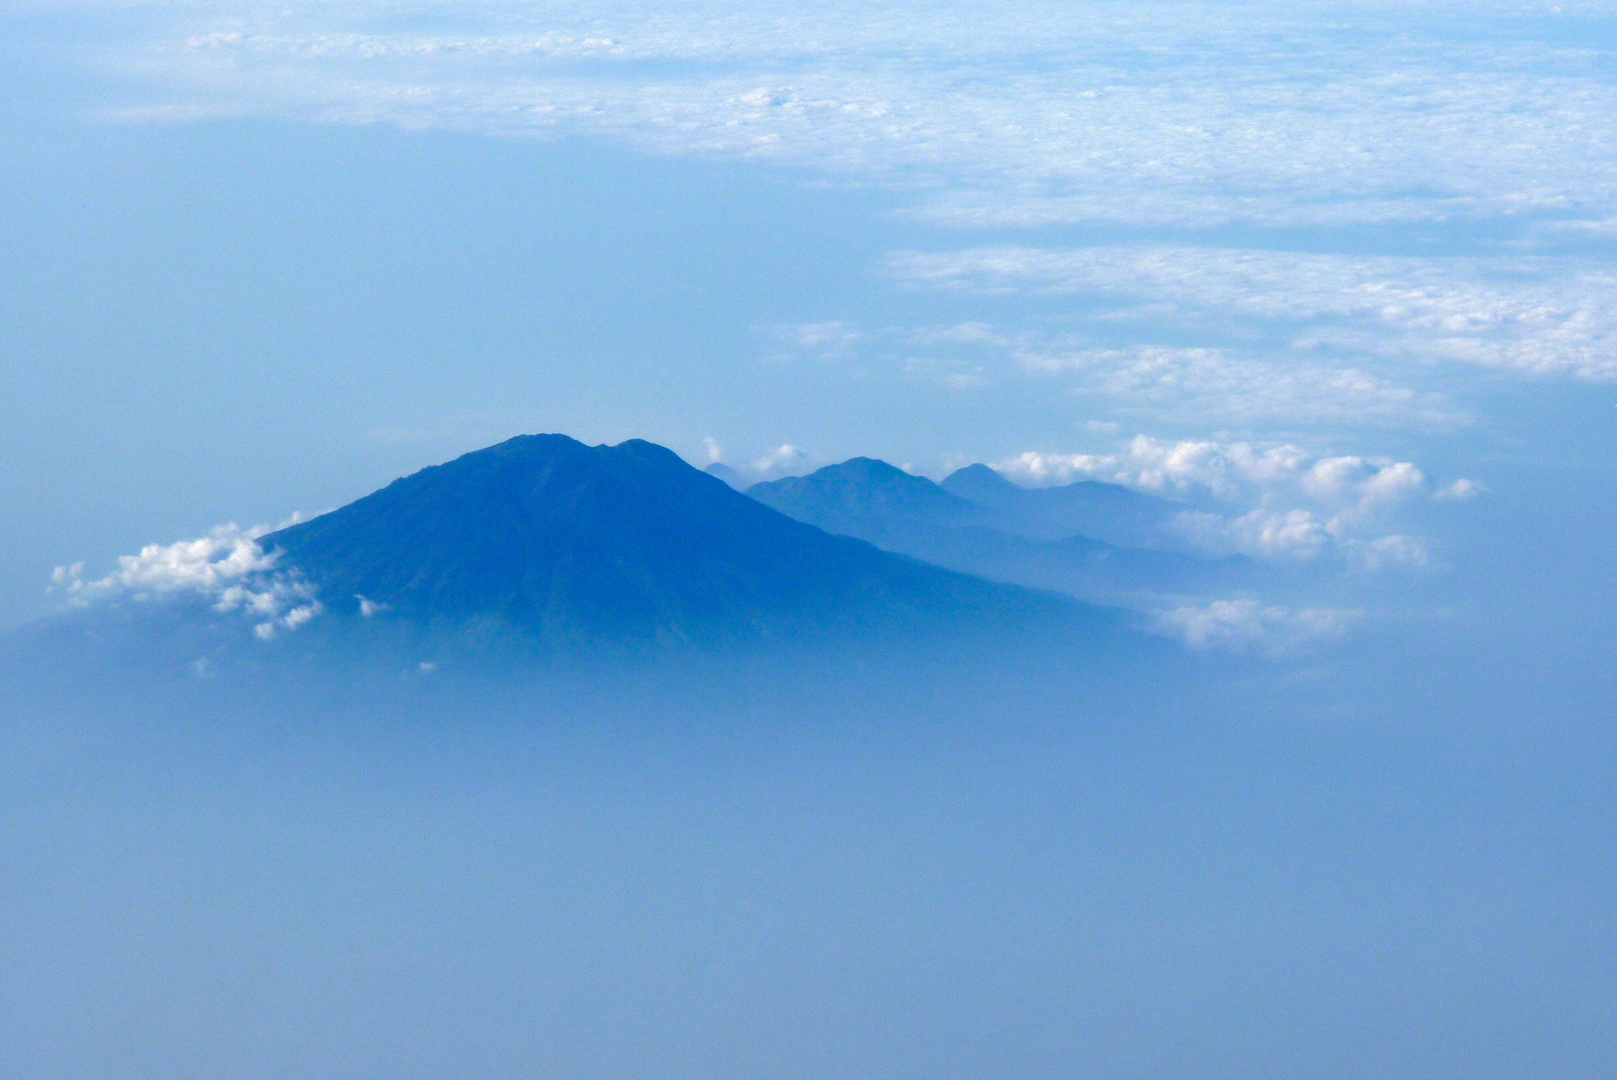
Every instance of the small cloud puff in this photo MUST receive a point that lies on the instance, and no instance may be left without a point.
(1388, 552)
(227, 568)
(1244, 626)
(1460, 491)
(820, 341)
(781, 461)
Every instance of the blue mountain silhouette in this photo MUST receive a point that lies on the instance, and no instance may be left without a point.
(546, 537)
(1101, 542)
(1098, 510)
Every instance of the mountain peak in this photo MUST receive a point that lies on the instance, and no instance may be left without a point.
(727, 474)
(838, 495)
(980, 483)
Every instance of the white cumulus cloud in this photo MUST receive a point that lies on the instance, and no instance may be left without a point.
(227, 568)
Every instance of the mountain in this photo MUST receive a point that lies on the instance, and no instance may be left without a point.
(980, 523)
(727, 474)
(867, 498)
(1108, 512)
(546, 538)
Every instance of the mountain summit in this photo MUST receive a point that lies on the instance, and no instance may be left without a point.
(543, 536)
(862, 495)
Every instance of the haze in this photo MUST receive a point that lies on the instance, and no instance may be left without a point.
(1334, 279)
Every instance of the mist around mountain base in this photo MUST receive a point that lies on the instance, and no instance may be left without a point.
(1003, 859)
(1001, 850)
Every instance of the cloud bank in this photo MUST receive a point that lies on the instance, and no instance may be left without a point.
(1169, 114)
(1270, 501)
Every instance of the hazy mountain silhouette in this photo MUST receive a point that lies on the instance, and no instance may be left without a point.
(980, 523)
(545, 537)
(1101, 511)
(869, 499)
(728, 475)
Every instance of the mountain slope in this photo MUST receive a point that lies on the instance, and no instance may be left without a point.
(546, 537)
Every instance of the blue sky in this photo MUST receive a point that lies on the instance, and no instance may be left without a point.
(273, 255)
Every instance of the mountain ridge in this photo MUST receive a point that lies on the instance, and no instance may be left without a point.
(545, 537)
(1100, 542)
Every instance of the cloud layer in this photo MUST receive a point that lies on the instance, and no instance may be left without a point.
(1243, 386)
(1182, 114)
(1532, 315)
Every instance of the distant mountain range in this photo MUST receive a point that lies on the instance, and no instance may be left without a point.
(1107, 512)
(547, 538)
(1102, 542)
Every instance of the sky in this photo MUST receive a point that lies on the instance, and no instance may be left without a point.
(1338, 277)
(271, 256)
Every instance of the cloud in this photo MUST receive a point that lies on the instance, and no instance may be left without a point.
(1231, 385)
(1202, 384)
(1275, 501)
(228, 569)
(1604, 229)
(1180, 116)
(954, 373)
(1460, 491)
(1388, 552)
(1246, 625)
(821, 341)
(370, 608)
(1536, 316)
(209, 564)
(1223, 469)
(1289, 534)
(781, 461)
(1185, 115)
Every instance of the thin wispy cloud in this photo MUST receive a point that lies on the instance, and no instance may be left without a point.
(1250, 626)
(1230, 385)
(1533, 316)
